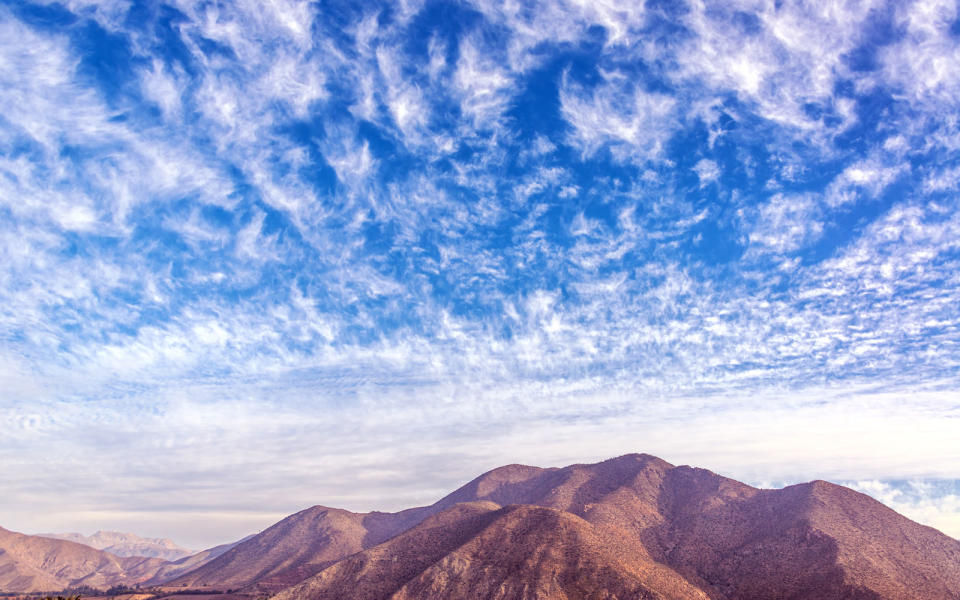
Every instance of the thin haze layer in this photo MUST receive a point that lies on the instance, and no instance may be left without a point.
(257, 255)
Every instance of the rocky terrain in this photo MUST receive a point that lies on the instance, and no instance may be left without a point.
(630, 527)
(638, 527)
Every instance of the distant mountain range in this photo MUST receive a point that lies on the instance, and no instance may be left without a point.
(37, 563)
(32, 563)
(631, 527)
(126, 544)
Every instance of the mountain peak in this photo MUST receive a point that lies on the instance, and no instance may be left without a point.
(641, 457)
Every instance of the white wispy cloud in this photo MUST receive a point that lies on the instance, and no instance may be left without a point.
(776, 57)
(785, 223)
(633, 122)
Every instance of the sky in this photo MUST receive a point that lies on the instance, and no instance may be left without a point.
(261, 255)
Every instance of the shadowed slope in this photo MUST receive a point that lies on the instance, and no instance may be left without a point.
(815, 540)
(881, 550)
(809, 541)
(36, 564)
(284, 553)
(180, 567)
(306, 542)
(479, 550)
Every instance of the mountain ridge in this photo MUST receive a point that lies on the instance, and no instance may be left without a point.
(37, 564)
(663, 509)
(634, 526)
(40, 564)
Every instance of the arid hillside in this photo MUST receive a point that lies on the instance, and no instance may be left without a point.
(638, 527)
(629, 527)
(30, 563)
(34, 563)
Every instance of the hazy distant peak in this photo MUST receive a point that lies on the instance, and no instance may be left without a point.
(126, 544)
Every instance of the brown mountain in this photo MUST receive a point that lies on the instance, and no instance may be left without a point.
(38, 563)
(630, 527)
(31, 563)
(307, 542)
(482, 550)
(638, 527)
(297, 547)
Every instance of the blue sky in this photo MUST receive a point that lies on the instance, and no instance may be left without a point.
(260, 255)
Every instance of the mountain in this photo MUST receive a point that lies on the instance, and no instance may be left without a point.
(307, 542)
(174, 569)
(30, 563)
(126, 544)
(630, 527)
(297, 547)
(35, 563)
(483, 550)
